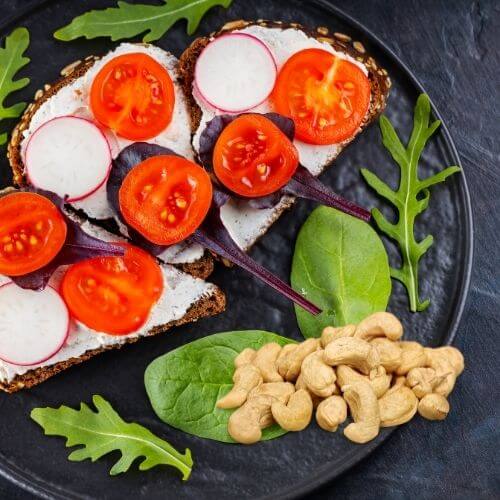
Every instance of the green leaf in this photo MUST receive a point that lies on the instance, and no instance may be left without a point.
(341, 265)
(105, 431)
(184, 385)
(411, 198)
(129, 20)
(11, 61)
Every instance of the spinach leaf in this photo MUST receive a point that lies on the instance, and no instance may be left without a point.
(411, 198)
(184, 384)
(341, 265)
(104, 431)
(128, 20)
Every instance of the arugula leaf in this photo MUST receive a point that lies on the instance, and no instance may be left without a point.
(129, 20)
(11, 61)
(105, 431)
(341, 265)
(411, 198)
(184, 384)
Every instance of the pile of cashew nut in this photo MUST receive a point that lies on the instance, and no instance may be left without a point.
(365, 368)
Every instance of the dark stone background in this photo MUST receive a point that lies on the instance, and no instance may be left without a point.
(454, 49)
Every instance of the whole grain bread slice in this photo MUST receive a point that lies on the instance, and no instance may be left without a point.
(378, 77)
(206, 306)
(201, 268)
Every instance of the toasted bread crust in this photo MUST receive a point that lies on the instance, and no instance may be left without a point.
(206, 306)
(202, 268)
(379, 79)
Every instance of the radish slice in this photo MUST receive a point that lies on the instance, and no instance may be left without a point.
(69, 156)
(235, 72)
(33, 325)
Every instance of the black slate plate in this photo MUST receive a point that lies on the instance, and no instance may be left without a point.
(294, 464)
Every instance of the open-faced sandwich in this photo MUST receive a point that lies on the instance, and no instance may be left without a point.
(326, 83)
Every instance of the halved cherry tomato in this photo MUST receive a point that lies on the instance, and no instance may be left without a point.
(165, 198)
(134, 96)
(327, 97)
(253, 157)
(113, 294)
(32, 231)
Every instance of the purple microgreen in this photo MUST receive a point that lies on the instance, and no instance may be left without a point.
(213, 236)
(127, 159)
(304, 185)
(78, 246)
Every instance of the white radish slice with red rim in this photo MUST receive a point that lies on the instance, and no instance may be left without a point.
(235, 72)
(68, 156)
(33, 325)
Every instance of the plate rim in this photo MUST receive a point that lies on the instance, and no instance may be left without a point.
(38, 488)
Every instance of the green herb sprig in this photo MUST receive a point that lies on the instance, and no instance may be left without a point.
(11, 61)
(129, 20)
(105, 431)
(411, 198)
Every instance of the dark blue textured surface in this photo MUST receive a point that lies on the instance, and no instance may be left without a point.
(453, 49)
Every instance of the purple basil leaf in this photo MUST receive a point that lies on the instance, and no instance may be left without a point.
(304, 185)
(214, 128)
(78, 246)
(214, 236)
(127, 159)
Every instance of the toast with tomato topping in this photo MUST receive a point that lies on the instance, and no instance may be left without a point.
(50, 102)
(184, 299)
(246, 224)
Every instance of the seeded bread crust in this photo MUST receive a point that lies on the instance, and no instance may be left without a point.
(206, 306)
(379, 78)
(202, 268)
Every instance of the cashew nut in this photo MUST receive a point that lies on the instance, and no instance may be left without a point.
(363, 404)
(331, 412)
(331, 333)
(380, 324)
(246, 423)
(300, 384)
(353, 352)
(243, 425)
(434, 407)
(245, 357)
(423, 381)
(289, 364)
(296, 415)
(389, 352)
(397, 406)
(412, 356)
(245, 378)
(280, 390)
(265, 361)
(379, 381)
(452, 354)
(317, 375)
(438, 360)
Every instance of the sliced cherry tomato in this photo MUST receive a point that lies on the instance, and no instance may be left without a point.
(327, 97)
(113, 294)
(134, 96)
(32, 231)
(253, 157)
(165, 198)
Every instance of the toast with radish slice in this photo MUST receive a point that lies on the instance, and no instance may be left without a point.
(70, 96)
(245, 222)
(56, 342)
